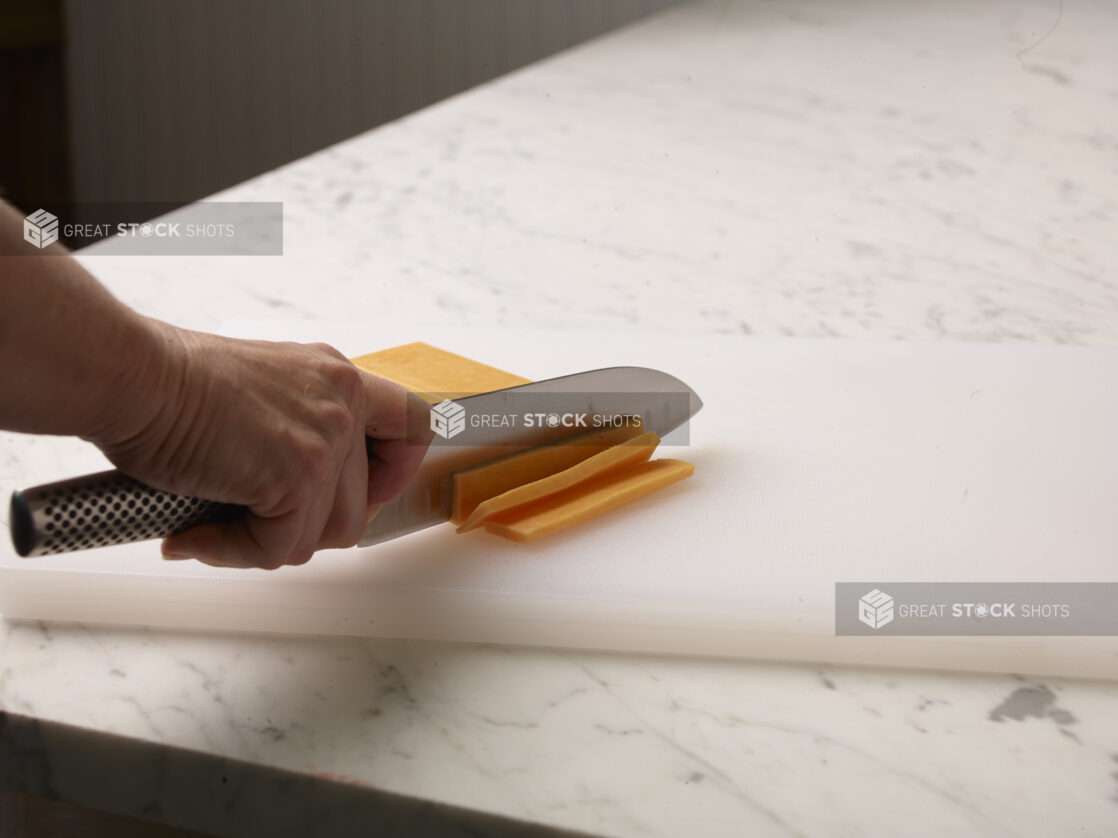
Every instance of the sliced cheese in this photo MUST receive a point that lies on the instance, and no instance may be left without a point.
(587, 501)
(472, 486)
(629, 453)
(530, 493)
(434, 373)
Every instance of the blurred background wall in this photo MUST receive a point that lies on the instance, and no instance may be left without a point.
(172, 100)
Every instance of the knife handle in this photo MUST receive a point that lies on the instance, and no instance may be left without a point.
(106, 508)
(102, 509)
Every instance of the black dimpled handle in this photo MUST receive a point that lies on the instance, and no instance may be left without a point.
(102, 509)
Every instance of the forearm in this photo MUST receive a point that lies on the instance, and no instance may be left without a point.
(74, 358)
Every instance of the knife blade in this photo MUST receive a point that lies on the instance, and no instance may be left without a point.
(662, 402)
(109, 507)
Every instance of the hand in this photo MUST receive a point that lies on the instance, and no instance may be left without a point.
(277, 427)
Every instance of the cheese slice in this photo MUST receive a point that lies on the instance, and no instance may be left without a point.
(628, 453)
(470, 487)
(435, 374)
(587, 501)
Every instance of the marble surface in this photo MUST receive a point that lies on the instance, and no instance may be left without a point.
(859, 169)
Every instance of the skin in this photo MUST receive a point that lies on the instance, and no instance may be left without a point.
(277, 427)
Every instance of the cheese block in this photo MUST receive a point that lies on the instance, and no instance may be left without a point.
(587, 501)
(435, 374)
(479, 483)
(626, 454)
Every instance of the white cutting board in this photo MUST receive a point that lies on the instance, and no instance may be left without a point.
(817, 461)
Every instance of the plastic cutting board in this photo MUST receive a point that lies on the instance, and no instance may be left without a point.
(817, 461)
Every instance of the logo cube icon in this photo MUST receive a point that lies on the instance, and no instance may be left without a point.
(40, 228)
(875, 609)
(448, 419)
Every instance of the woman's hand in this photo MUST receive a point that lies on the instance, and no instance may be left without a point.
(277, 427)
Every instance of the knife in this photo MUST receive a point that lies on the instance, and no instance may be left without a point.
(107, 508)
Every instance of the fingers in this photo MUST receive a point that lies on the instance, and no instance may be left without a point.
(396, 455)
(394, 463)
(250, 542)
(348, 515)
(334, 479)
(325, 487)
(337, 498)
(392, 412)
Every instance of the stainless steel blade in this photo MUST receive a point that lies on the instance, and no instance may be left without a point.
(426, 500)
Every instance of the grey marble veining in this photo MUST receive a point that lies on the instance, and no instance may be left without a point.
(613, 744)
(860, 169)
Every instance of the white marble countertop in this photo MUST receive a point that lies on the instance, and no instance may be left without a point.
(887, 170)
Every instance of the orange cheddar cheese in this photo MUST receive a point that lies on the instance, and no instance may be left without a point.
(479, 483)
(535, 492)
(588, 501)
(626, 454)
(435, 374)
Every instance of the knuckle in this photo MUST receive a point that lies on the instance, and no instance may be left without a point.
(348, 381)
(326, 349)
(338, 420)
(276, 488)
(314, 459)
(299, 557)
(275, 497)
